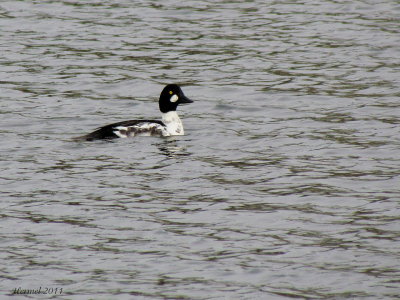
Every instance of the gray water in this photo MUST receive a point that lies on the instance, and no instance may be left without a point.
(286, 184)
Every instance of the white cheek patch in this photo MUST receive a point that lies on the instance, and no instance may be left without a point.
(174, 98)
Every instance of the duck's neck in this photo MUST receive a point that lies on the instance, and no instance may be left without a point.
(173, 123)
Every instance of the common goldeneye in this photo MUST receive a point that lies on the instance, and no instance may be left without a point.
(171, 96)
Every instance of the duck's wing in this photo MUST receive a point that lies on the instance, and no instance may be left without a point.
(112, 131)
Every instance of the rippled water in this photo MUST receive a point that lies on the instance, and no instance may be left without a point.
(286, 184)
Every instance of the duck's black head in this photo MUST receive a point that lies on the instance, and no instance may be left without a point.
(171, 96)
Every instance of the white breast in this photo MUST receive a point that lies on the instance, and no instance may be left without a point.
(173, 123)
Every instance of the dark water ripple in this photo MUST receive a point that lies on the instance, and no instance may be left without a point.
(285, 186)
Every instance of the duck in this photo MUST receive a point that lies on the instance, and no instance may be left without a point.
(169, 125)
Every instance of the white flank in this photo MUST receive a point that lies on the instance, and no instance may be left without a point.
(173, 123)
(141, 129)
(145, 129)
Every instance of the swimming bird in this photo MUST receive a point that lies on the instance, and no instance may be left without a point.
(170, 124)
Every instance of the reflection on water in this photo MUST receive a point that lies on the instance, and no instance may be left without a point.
(286, 184)
(171, 149)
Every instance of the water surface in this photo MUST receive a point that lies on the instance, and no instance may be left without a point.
(286, 184)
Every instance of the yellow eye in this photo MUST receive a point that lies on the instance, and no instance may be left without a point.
(170, 92)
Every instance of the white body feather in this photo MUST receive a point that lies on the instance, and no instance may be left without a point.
(173, 126)
(173, 123)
